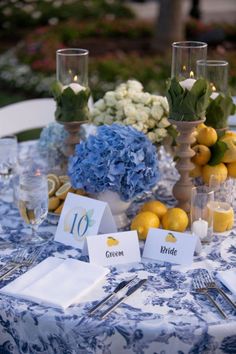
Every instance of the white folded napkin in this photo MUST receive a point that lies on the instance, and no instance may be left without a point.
(56, 282)
(228, 278)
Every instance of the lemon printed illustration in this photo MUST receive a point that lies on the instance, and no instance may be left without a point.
(111, 241)
(78, 221)
(170, 238)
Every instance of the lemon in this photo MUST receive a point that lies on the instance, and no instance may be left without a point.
(23, 211)
(219, 170)
(231, 169)
(59, 209)
(63, 179)
(63, 190)
(202, 154)
(55, 178)
(156, 207)
(207, 136)
(51, 187)
(80, 192)
(196, 171)
(53, 203)
(143, 221)
(175, 219)
(223, 216)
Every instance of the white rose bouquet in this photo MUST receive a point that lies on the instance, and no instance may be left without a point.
(130, 105)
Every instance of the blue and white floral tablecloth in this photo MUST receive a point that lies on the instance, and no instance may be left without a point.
(164, 316)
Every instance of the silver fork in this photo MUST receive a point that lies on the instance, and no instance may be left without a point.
(22, 261)
(211, 284)
(18, 257)
(200, 288)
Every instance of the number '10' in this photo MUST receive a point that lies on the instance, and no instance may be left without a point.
(80, 228)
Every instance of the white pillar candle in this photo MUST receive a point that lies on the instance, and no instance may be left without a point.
(75, 87)
(187, 84)
(214, 95)
(200, 228)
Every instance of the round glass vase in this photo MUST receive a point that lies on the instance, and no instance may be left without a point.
(118, 207)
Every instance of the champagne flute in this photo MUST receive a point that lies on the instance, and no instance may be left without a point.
(33, 201)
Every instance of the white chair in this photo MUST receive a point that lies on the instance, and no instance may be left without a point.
(26, 115)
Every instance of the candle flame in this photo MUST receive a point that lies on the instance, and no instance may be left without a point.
(191, 74)
(213, 87)
(75, 78)
(184, 68)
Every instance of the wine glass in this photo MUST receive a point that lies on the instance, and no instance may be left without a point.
(33, 201)
(8, 160)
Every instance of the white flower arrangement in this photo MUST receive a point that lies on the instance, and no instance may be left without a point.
(130, 105)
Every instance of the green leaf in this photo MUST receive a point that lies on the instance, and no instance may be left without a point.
(217, 152)
(219, 110)
(188, 105)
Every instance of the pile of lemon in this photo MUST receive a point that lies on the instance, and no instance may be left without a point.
(58, 188)
(206, 138)
(154, 214)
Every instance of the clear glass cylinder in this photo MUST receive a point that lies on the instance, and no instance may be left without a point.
(72, 66)
(184, 58)
(201, 213)
(216, 72)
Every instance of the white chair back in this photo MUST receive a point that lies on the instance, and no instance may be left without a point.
(26, 115)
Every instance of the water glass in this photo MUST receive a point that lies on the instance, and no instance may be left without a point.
(33, 201)
(8, 160)
(201, 214)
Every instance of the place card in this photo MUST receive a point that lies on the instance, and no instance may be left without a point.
(83, 216)
(170, 246)
(114, 248)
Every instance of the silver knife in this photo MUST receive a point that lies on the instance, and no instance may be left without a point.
(128, 293)
(119, 287)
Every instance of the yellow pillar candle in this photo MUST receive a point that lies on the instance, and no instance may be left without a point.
(223, 216)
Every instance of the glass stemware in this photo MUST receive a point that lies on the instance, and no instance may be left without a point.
(33, 201)
(8, 160)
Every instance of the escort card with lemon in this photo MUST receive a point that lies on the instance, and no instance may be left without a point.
(114, 248)
(82, 216)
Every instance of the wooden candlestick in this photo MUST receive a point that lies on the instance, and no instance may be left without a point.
(183, 187)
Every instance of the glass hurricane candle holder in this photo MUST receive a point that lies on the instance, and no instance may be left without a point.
(71, 92)
(201, 214)
(216, 72)
(221, 104)
(188, 99)
(184, 60)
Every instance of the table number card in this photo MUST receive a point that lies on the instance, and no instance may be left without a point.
(82, 216)
(170, 246)
(114, 248)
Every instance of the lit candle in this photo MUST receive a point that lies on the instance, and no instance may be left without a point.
(188, 83)
(200, 228)
(75, 87)
(223, 216)
(214, 94)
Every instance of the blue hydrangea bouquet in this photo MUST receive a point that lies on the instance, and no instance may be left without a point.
(118, 158)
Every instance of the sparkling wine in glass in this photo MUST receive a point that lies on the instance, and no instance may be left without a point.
(33, 201)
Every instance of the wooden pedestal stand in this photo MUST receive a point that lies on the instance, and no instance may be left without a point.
(182, 189)
(73, 129)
